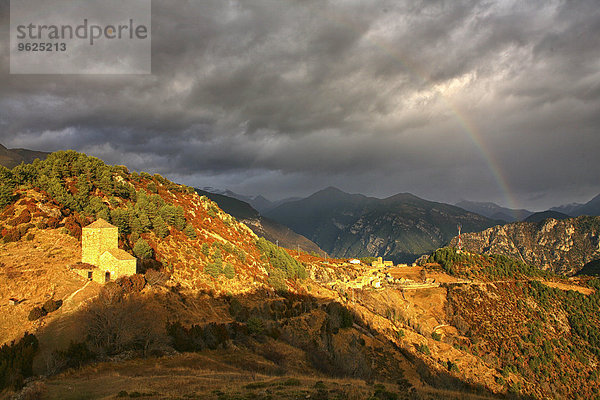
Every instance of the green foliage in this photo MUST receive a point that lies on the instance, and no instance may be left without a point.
(121, 218)
(583, 312)
(229, 271)
(436, 336)
(280, 259)
(173, 215)
(6, 194)
(483, 266)
(217, 256)
(424, 349)
(142, 249)
(277, 280)
(160, 227)
(72, 178)
(190, 232)
(152, 187)
(213, 269)
(255, 325)
(16, 361)
(239, 253)
(205, 249)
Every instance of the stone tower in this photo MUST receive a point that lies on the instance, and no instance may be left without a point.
(97, 238)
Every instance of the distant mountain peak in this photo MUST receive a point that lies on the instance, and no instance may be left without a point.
(592, 207)
(494, 211)
(332, 189)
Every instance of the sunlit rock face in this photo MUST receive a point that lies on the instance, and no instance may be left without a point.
(560, 246)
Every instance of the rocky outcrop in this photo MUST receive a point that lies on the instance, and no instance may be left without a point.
(561, 246)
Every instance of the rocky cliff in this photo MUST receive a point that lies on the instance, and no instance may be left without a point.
(560, 246)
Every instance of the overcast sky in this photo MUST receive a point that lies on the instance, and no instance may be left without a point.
(490, 100)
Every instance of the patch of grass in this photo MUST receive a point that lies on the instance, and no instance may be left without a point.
(257, 385)
(290, 382)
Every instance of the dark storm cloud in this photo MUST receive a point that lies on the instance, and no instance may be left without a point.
(285, 97)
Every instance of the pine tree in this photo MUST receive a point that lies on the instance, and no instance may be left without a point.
(142, 249)
(229, 271)
(160, 227)
(190, 231)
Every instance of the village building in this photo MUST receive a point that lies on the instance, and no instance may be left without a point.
(380, 263)
(101, 257)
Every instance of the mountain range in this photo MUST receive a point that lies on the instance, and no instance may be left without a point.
(400, 227)
(494, 211)
(259, 202)
(592, 207)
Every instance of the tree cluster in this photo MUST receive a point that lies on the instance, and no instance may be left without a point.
(280, 259)
(16, 361)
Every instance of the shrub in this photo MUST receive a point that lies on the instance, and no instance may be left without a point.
(213, 269)
(133, 283)
(36, 313)
(277, 280)
(152, 187)
(154, 277)
(255, 325)
(205, 249)
(423, 348)
(16, 361)
(52, 305)
(13, 235)
(190, 231)
(22, 218)
(76, 355)
(436, 336)
(229, 271)
(128, 324)
(142, 249)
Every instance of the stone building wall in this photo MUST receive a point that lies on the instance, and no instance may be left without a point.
(95, 274)
(118, 266)
(100, 248)
(95, 241)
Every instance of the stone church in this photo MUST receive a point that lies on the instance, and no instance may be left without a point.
(100, 248)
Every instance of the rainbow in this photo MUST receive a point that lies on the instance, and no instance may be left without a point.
(463, 120)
